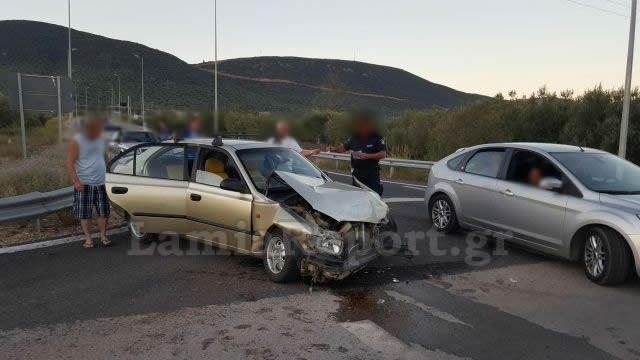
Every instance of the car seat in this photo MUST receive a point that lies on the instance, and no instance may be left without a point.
(215, 166)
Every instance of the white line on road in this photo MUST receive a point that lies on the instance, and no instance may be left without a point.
(422, 187)
(402, 200)
(387, 345)
(45, 244)
(426, 308)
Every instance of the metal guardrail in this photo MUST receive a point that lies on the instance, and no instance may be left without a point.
(37, 205)
(391, 162)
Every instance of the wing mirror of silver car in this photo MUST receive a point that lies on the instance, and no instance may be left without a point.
(551, 183)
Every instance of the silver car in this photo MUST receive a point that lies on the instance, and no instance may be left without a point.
(567, 201)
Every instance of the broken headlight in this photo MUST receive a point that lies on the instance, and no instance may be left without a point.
(329, 245)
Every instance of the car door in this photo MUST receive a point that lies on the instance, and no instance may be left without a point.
(475, 186)
(527, 212)
(216, 215)
(149, 183)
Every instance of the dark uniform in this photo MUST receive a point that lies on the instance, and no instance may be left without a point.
(367, 171)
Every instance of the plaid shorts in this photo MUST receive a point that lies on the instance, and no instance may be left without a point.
(83, 202)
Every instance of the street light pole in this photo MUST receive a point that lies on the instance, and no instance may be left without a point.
(86, 101)
(69, 36)
(119, 101)
(215, 72)
(624, 125)
(144, 125)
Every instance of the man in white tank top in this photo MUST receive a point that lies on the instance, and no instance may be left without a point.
(283, 139)
(87, 160)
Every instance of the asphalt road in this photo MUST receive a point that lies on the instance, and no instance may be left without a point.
(446, 297)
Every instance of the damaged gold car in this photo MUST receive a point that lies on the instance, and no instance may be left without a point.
(251, 198)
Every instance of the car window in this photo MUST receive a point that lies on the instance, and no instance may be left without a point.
(123, 164)
(527, 167)
(161, 162)
(457, 162)
(215, 166)
(138, 136)
(485, 163)
(602, 172)
(261, 163)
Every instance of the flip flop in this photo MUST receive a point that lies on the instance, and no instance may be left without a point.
(88, 245)
(107, 243)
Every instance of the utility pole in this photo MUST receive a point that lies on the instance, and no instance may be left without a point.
(215, 72)
(142, 87)
(144, 125)
(70, 72)
(624, 125)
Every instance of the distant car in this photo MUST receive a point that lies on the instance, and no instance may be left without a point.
(252, 198)
(567, 201)
(111, 131)
(123, 140)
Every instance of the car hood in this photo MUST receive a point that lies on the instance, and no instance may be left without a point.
(631, 202)
(339, 201)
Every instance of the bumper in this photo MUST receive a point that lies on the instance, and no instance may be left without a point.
(324, 267)
(634, 244)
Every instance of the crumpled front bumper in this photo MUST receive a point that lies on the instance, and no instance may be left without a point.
(322, 267)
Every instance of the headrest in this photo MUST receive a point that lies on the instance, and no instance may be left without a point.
(214, 166)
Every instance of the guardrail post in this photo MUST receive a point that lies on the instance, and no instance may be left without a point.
(35, 225)
(337, 164)
(391, 172)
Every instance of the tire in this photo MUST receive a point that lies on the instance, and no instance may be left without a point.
(614, 254)
(137, 235)
(443, 214)
(280, 269)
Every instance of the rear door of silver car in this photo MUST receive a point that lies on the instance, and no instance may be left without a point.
(475, 186)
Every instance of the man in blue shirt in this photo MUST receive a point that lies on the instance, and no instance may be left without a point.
(367, 149)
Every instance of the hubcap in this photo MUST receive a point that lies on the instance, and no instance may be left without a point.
(595, 256)
(135, 230)
(441, 214)
(275, 255)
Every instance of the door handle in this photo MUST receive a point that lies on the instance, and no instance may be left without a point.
(460, 181)
(508, 192)
(119, 190)
(195, 197)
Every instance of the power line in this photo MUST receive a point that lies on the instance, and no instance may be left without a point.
(597, 8)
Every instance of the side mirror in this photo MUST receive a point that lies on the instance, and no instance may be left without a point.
(232, 185)
(551, 183)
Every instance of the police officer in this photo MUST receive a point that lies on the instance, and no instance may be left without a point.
(367, 149)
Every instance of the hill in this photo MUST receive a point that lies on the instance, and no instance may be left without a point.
(277, 84)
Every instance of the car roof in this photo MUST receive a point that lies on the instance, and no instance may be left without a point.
(545, 147)
(235, 144)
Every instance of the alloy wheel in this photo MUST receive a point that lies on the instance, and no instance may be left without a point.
(441, 214)
(594, 255)
(276, 255)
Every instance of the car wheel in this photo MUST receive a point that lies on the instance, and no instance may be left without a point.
(443, 214)
(280, 258)
(605, 256)
(136, 234)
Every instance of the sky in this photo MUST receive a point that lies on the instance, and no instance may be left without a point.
(481, 46)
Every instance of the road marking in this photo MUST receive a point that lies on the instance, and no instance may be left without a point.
(387, 345)
(426, 308)
(402, 200)
(422, 187)
(49, 243)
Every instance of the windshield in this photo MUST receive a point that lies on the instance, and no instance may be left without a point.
(138, 136)
(261, 163)
(602, 172)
